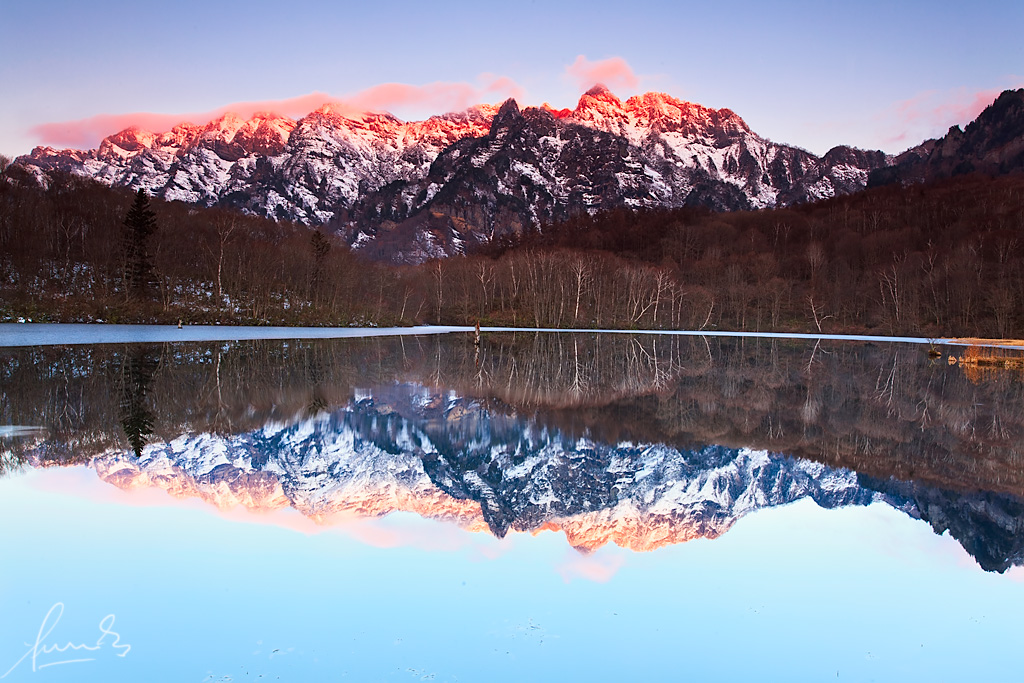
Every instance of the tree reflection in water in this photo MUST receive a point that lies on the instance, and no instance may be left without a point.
(919, 433)
(137, 371)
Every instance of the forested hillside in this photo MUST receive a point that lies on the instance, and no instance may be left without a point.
(940, 259)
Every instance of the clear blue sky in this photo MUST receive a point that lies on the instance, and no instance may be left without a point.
(872, 74)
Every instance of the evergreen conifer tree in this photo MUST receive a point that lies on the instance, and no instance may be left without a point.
(140, 224)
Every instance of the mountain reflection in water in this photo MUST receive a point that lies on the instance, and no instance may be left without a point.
(638, 441)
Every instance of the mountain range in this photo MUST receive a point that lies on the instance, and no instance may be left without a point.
(451, 458)
(409, 191)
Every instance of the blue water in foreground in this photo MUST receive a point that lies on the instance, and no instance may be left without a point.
(795, 593)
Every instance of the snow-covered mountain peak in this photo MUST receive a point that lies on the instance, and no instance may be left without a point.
(652, 150)
(344, 115)
(600, 108)
(223, 129)
(600, 93)
(653, 113)
(264, 134)
(130, 140)
(476, 113)
(445, 129)
(557, 113)
(655, 110)
(181, 136)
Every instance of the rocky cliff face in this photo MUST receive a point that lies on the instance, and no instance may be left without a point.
(430, 188)
(537, 166)
(444, 457)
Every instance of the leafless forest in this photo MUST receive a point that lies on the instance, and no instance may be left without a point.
(944, 259)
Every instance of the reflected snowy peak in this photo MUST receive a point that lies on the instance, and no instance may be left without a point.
(452, 459)
(639, 442)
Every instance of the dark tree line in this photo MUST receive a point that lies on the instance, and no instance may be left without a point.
(940, 259)
(945, 258)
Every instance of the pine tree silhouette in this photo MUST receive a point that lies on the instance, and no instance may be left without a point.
(140, 224)
(136, 375)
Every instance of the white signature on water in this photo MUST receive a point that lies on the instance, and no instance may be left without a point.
(42, 654)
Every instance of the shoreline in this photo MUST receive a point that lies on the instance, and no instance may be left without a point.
(61, 334)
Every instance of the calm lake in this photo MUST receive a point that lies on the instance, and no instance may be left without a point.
(535, 506)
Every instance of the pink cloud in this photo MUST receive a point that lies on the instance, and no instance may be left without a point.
(931, 113)
(614, 72)
(401, 98)
(503, 86)
(438, 97)
(86, 133)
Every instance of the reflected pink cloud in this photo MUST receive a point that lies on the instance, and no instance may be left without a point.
(434, 98)
(392, 532)
(1015, 574)
(598, 567)
(897, 536)
(396, 530)
(81, 482)
(614, 72)
(496, 548)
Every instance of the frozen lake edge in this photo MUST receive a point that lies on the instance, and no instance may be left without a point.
(52, 334)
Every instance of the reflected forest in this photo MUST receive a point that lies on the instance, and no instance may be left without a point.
(545, 430)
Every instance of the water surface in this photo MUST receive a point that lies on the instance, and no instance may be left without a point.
(536, 506)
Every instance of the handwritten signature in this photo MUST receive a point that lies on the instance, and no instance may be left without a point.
(43, 655)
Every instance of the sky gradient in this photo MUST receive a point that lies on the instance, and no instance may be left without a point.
(869, 74)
